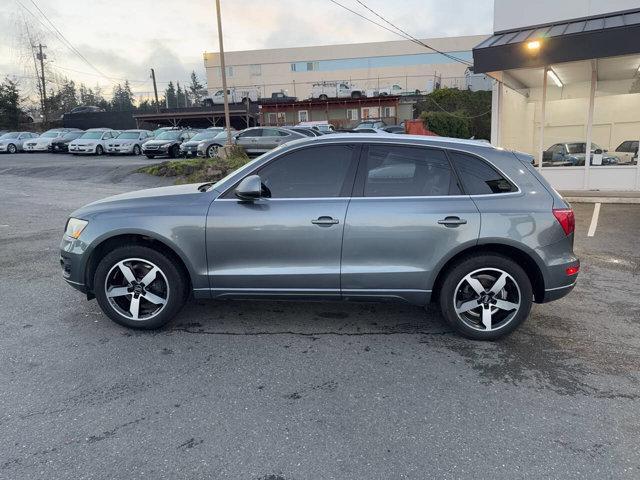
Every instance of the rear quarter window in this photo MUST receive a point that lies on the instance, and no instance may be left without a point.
(478, 177)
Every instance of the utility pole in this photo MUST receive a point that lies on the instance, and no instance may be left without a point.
(41, 56)
(155, 89)
(223, 71)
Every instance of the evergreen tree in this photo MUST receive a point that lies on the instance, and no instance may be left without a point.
(181, 99)
(195, 88)
(9, 104)
(170, 96)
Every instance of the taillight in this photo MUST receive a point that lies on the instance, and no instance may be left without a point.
(572, 270)
(566, 219)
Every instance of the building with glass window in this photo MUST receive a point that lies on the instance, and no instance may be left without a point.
(370, 66)
(569, 90)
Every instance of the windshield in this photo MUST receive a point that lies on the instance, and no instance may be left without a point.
(10, 135)
(72, 135)
(581, 147)
(92, 135)
(204, 135)
(49, 135)
(168, 135)
(129, 135)
(223, 134)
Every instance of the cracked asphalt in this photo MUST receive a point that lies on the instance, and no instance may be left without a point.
(283, 391)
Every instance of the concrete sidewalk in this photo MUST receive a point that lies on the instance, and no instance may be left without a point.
(600, 196)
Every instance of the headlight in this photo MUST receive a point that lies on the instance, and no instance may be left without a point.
(91, 144)
(165, 146)
(75, 226)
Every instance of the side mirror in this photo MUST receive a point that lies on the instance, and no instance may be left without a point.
(250, 188)
(598, 151)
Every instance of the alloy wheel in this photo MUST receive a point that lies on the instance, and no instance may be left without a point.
(212, 151)
(137, 289)
(12, 148)
(487, 299)
(136, 150)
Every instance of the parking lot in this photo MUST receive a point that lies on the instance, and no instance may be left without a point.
(275, 391)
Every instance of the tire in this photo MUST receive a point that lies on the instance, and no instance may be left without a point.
(99, 150)
(168, 285)
(174, 152)
(11, 148)
(503, 308)
(208, 103)
(323, 97)
(150, 157)
(136, 150)
(212, 150)
(356, 94)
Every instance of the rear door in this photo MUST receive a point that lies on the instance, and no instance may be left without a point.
(407, 214)
(250, 139)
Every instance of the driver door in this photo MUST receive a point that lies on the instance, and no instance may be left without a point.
(288, 242)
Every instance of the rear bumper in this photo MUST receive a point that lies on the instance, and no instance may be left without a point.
(557, 293)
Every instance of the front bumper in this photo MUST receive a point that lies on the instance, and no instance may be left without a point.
(72, 261)
(36, 148)
(157, 152)
(82, 149)
(189, 151)
(120, 150)
(58, 148)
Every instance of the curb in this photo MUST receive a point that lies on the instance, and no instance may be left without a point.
(624, 200)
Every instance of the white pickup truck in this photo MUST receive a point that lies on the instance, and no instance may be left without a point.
(394, 89)
(326, 90)
(236, 95)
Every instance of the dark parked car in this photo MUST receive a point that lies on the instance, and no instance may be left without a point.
(61, 145)
(340, 217)
(394, 129)
(167, 143)
(86, 109)
(573, 155)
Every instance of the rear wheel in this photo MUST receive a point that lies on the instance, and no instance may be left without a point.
(323, 97)
(486, 297)
(356, 94)
(139, 287)
(208, 103)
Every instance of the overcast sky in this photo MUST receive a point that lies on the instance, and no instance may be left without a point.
(124, 38)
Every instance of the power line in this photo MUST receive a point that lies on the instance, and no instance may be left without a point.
(414, 39)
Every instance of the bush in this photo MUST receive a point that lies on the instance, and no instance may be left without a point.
(198, 170)
(446, 125)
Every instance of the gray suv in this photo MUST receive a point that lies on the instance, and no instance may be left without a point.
(341, 217)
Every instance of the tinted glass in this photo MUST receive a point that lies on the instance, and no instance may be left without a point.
(316, 172)
(92, 135)
(169, 135)
(478, 177)
(252, 133)
(395, 171)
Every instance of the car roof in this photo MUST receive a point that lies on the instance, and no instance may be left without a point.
(381, 138)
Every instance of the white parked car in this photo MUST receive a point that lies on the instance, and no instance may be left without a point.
(128, 142)
(326, 90)
(320, 125)
(394, 89)
(93, 141)
(236, 95)
(43, 142)
(13, 142)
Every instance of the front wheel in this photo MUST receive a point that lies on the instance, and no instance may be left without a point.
(136, 150)
(212, 151)
(12, 148)
(99, 150)
(139, 287)
(486, 297)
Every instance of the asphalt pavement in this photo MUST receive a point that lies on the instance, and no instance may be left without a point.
(283, 391)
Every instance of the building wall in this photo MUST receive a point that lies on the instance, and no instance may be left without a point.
(509, 14)
(369, 65)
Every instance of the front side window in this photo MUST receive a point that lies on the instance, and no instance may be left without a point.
(478, 177)
(397, 171)
(257, 132)
(303, 116)
(317, 172)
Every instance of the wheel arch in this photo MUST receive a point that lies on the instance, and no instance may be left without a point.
(104, 245)
(526, 259)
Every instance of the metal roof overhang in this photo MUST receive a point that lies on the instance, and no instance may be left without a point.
(600, 36)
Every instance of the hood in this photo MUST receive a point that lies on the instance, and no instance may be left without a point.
(123, 141)
(84, 141)
(45, 141)
(191, 143)
(61, 141)
(152, 197)
(159, 142)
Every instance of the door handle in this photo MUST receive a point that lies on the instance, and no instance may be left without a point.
(452, 221)
(325, 221)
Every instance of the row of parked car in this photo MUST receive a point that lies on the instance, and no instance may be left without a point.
(171, 142)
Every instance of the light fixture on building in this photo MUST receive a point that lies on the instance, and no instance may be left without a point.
(554, 76)
(534, 45)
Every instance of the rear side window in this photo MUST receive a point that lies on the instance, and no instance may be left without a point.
(478, 177)
(397, 171)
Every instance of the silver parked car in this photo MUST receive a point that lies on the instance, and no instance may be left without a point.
(341, 217)
(209, 148)
(257, 140)
(190, 147)
(13, 142)
(93, 141)
(129, 142)
(44, 141)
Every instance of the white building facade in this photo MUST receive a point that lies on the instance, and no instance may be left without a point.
(569, 91)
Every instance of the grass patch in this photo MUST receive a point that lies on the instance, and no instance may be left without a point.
(195, 170)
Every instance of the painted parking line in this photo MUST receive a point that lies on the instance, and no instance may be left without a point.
(594, 220)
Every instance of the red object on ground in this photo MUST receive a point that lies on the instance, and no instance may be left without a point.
(416, 127)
